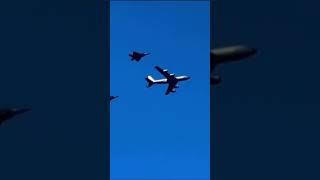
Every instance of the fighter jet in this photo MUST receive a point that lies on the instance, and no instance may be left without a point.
(228, 54)
(170, 79)
(113, 97)
(6, 114)
(137, 56)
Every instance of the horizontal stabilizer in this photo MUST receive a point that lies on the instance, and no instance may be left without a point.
(150, 81)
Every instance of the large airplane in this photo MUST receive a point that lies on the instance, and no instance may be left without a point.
(137, 55)
(226, 55)
(7, 113)
(170, 79)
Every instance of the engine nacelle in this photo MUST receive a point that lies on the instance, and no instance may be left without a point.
(172, 74)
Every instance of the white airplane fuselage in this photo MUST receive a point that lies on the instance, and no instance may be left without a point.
(170, 80)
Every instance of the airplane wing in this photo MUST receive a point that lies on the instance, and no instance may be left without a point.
(170, 88)
(164, 72)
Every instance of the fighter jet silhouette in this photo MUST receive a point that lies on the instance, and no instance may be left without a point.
(137, 56)
(7, 113)
(113, 97)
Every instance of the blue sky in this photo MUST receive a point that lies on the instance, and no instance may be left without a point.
(153, 135)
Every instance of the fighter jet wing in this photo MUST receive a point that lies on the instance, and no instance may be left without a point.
(134, 53)
(113, 97)
(164, 72)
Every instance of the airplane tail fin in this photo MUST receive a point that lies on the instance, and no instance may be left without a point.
(150, 81)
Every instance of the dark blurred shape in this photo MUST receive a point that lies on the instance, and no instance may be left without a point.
(113, 97)
(226, 55)
(137, 55)
(8, 113)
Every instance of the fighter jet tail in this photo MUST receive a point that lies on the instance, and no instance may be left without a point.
(150, 81)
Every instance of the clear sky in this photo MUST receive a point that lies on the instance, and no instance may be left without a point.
(266, 111)
(153, 135)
